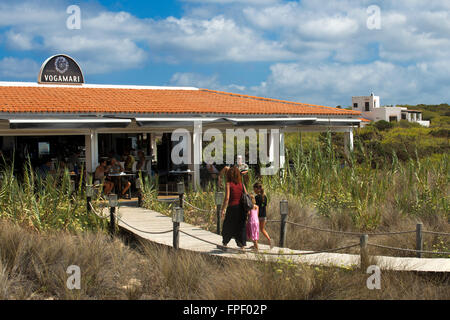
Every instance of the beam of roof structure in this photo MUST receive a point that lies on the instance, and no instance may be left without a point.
(67, 123)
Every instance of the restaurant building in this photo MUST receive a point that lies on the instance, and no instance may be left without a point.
(60, 113)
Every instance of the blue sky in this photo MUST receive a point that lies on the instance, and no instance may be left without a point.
(319, 52)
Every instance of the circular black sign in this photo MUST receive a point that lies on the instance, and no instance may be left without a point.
(60, 69)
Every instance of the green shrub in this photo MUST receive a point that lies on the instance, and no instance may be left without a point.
(45, 204)
(383, 125)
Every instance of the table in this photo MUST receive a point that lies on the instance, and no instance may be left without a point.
(181, 173)
(118, 176)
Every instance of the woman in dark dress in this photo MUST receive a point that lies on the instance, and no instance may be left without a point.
(234, 225)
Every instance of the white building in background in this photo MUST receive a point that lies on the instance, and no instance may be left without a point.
(370, 109)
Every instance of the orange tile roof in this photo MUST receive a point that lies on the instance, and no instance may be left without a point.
(364, 120)
(52, 99)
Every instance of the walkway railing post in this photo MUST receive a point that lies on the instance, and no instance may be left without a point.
(139, 190)
(180, 191)
(112, 213)
(419, 239)
(89, 195)
(284, 211)
(363, 240)
(177, 217)
(219, 200)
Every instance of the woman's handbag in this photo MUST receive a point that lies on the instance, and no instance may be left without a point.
(246, 200)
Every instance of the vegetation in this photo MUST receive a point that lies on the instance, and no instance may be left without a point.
(45, 204)
(398, 175)
(377, 189)
(33, 266)
(439, 115)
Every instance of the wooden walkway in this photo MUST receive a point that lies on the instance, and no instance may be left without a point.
(151, 221)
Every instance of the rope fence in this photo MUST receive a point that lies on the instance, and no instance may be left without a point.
(119, 219)
(196, 208)
(404, 249)
(269, 253)
(346, 232)
(363, 244)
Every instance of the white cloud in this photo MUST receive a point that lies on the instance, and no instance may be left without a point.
(216, 39)
(19, 41)
(203, 81)
(335, 84)
(246, 2)
(11, 67)
(319, 51)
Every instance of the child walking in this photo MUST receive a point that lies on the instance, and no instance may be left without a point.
(261, 202)
(253, 225)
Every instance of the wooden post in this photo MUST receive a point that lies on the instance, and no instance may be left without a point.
(139, 198)
(284, 209)
(218, 211)
(177, 218)
(112, 220)
(89, 194)
(113, 203)
(180, 196)
(176, 235)
(218, 198)
(419, 239)
(88, 204)
(139, 188)
(363, 251)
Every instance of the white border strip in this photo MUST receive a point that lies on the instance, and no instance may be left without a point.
(70, 121)
(97, 86)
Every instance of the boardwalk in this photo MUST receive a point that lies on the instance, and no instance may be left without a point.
(151, 221)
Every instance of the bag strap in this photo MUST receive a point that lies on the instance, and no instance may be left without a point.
(244, 190)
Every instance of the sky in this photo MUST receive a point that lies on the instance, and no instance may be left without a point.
(319, 52)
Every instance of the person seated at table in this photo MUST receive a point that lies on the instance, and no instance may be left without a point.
(141, 161)
(100, 174)
(116, 167)
(212, 171)
(45, 168)
(74, 161)
(129, 161)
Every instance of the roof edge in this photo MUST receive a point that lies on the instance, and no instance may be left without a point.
(278, 100)
(92, 86)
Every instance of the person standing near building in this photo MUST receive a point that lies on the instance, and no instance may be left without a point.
(261, 202)
(243, 168)
(253, 225)
(234, 224)
(141, 161)
(129, 161)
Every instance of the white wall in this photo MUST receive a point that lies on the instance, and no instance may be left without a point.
(374, 102)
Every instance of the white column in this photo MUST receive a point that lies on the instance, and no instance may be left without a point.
(91, 142)
(348, 141)
(274, 153)
(272, 138)
(197, 154)
(282, 150)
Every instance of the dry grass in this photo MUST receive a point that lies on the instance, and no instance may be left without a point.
(307, 239)
(33, 266)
